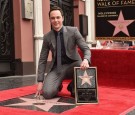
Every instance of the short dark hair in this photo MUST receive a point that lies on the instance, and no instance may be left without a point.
(56, 8)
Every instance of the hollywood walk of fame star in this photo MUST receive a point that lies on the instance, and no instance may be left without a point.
(86, 79)
(121, 24)
(48, 103)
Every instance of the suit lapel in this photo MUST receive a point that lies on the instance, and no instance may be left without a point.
(65, 36)
(53, 40)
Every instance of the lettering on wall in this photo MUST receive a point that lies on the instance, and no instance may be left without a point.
(115, 19)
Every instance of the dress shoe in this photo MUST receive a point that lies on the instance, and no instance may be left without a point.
(71, 90)
(73, 94)
(60, 87)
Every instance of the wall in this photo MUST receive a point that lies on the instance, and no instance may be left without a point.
(23, 35)
(79, 8)
(46, 22)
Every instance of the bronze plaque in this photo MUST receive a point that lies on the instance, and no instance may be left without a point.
(86, 85)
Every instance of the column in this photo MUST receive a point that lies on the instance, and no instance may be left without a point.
(38, 29)
(89, 11)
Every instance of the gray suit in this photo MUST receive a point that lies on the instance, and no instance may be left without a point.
(72, 39)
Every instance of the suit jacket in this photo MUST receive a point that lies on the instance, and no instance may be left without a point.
(72, 40)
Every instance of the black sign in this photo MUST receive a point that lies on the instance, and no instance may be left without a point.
(115, 19)
(86, 85)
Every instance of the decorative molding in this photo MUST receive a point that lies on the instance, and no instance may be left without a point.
(24, 68)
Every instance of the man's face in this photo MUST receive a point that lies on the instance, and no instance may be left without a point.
(56, 20)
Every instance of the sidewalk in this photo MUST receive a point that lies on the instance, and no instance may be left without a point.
(11, 82)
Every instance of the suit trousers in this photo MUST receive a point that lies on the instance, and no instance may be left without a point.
(53, 79)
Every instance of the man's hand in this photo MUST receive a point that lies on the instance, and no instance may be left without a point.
(39, 88)
(85, 64)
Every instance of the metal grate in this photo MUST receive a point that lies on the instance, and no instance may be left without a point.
(6, 36)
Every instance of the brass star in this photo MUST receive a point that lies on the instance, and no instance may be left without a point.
(85, 78)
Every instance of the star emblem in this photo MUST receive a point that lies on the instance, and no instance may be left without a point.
(42, 104)
(121, 24)
(85, 78)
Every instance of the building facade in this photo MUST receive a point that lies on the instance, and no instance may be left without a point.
(22, 26)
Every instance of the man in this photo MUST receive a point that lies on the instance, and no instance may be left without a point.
(70, 38)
